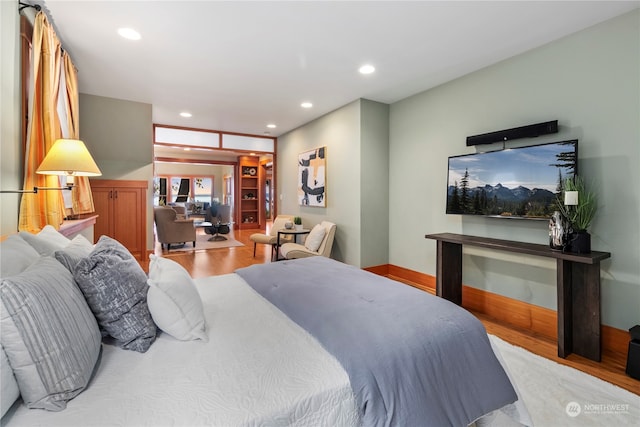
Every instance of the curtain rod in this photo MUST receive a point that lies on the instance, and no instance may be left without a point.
(26, 5)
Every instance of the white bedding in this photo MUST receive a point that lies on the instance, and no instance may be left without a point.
(258, 368)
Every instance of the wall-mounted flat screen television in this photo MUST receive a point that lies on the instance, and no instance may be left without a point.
(512, 183)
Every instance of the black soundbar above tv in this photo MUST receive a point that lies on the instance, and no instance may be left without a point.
(529, 131)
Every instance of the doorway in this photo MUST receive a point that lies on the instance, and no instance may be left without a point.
(269, 208)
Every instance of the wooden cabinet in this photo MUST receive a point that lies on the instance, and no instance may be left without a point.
(122, 213)
(249, 192)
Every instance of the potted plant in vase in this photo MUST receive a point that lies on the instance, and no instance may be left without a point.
(297, 221)
(578, 206)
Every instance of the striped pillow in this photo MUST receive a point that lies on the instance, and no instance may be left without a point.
(49, 334)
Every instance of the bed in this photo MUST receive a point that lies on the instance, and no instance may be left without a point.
(262, 363)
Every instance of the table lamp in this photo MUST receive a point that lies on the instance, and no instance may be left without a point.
(68, 157)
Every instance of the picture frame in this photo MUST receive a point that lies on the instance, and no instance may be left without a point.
(312, 167)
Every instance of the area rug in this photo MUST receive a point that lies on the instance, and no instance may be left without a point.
(558, 395)
(203, 243)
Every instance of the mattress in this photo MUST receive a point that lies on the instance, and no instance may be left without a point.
(258, 368)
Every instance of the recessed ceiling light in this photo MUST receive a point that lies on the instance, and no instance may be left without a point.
(306, 105)
(129, 33)
(185, 114)
(367, 69)
(271, 126)
(187, 149)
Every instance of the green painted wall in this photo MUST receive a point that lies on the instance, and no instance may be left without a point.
(119, 135)
(590, 83)
(339, 131)
(374, 183)
(357, 141)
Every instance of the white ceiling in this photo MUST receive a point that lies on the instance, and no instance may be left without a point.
(237, 66)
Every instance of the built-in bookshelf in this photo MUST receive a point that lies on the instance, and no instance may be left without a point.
(249, 192)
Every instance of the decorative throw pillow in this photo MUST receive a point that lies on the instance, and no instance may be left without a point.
(49, 334)
(16, 255)
(115, 286)
(47, 241)
(314, 239)
(78, 249)
(174, 301)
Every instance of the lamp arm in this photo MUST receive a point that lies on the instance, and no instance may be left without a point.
(36, 189)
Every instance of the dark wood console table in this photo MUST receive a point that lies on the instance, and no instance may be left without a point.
(578, 283)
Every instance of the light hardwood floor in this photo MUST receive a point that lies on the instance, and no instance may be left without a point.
(202, 263)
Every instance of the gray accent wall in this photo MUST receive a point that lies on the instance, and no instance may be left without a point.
(590, 83)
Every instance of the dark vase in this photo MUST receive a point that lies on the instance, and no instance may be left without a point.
(579, 242)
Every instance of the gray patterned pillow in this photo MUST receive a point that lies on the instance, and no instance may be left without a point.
(115, 286)
(49, 334)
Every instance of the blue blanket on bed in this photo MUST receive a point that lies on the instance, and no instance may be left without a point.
(413, 359)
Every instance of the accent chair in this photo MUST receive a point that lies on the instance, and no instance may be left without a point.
(221, 223)
(297, 250)
(272, 237)
(171, 229)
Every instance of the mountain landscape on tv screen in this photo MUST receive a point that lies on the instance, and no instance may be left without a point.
(499, 200)
(534, 176)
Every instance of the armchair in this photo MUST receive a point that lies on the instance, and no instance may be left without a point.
(170, 229)
(272, 237)
(181, 211)
(221, 223)
(296, 250)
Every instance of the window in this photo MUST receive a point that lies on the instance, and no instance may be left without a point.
(202, 189)
(180, 189)
(159, 191)
(198, 189)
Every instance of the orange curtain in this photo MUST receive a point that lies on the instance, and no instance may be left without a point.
(81, 194)
(45, 207)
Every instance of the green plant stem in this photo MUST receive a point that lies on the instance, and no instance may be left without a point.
(581, 215)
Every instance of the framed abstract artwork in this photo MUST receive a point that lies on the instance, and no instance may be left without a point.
(312, 167)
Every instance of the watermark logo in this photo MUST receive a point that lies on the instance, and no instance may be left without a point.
(573, 409)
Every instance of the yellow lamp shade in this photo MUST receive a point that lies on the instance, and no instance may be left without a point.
(69, 157)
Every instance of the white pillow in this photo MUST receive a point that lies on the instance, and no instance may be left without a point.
(174, 301)
(16, 255)
(78, 249)
(314, 239)
(47, 241)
